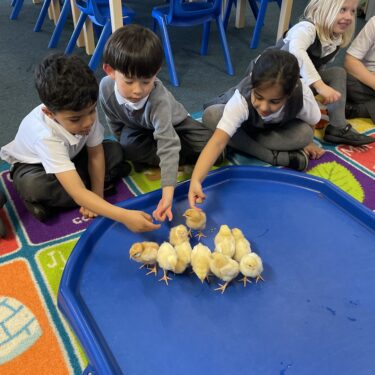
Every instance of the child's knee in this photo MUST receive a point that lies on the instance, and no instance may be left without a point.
(212, 115)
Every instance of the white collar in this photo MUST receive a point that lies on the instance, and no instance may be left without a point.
(128, 104)
(274, 115)
(73, 139)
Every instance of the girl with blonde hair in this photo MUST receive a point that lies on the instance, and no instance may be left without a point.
(326, 26)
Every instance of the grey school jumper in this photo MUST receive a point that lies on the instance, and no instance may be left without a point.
(156, 133)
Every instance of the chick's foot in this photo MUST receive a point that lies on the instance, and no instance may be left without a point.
(222, 287)
(259, 278)
(200, 235)
(244, 280)
(153, 270)
(165, 278)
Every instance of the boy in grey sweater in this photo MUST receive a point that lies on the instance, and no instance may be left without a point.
(153, 128)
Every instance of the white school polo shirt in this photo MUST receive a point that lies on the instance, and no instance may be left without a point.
(363, 46)
(41, 140)
(238, 112)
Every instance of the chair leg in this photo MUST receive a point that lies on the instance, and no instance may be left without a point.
(16, 9)
(205, 36)
(97, 55)
(228, 9)
(223, 38)
(66, 9)
(259, 24)
(254, 8)
(73, 39)
(168, 51)
(42, 15)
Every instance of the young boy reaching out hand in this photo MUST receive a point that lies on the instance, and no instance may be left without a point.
(58, 157)
(153, 128)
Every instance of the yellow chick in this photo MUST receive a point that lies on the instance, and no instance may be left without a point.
(167, 259)
(200, 261)
(145, 253)
(242, 244)
(251, 265)
(225, 242)
(225, 268)
(183, 251)
(178, 235)
(195, 219)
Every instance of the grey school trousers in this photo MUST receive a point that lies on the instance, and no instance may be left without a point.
(34, 185)
(362, 96)
(336, 78)
(262, 142)
(140, 146)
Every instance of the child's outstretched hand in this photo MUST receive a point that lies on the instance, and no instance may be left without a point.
(164, 208)
(313, 151)
(138, 221)
(329, 94)
(195, 194)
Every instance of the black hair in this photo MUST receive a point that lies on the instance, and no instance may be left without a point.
(275, 66)
(135, 51)
(65, 83)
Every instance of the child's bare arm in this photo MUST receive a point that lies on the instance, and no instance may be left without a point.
(206, 160)
(357, 69)
(96, 168)
(136, 221)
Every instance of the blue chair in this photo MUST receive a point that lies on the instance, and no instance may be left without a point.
(65, 11)
(99, 14)
(181, 13)
(259, 14)
(16, 5)
(43, 13)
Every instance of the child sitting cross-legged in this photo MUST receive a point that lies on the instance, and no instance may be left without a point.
(58, 157)
(153, 128)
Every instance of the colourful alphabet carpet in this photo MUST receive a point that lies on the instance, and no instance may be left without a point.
(34, 337)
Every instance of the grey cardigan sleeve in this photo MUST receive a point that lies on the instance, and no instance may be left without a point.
(168, 142)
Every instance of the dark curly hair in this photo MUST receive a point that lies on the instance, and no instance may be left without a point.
(65, 83)
(135, 51)
(275, 66)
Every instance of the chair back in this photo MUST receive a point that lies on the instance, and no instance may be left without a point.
(193, 12)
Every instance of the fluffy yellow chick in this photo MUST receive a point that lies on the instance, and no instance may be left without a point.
(242, 244)
(183, 251)
(225, 268)
(224, 241)
(251, 266)
(195, 219)
(178, 235)
(167, 259)
(145, 253)
(200, 261)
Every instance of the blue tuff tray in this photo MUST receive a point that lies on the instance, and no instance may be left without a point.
(314, 314)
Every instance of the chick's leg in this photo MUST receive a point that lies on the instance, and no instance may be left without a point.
(222, 287)
(200, 235)
(153, 270)
(245, 280)
(165, 277)
(259, 278)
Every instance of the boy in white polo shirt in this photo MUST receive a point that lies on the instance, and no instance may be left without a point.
(360, 65)
(58, 157)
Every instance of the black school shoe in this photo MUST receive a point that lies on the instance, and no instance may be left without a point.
(298, 160)
(40, 212)
(346, 136)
